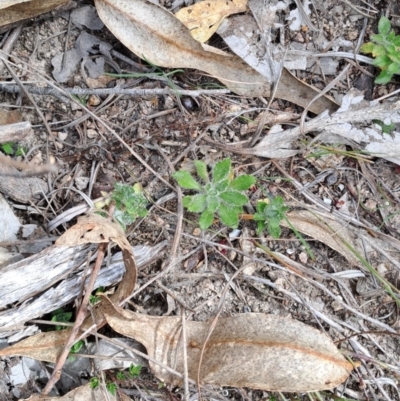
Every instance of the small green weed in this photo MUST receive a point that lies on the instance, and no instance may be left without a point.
(386, 128)
(94, 382)
(385, 48)
(77, 347)
(94, 298)
(111, 388)
(134, 370)
(10, 148)
(130, 203)
(132, 373)
(270, 212)
(62, 317)
(223, 194)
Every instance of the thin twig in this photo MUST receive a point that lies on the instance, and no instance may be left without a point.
(28, 169)
(135, 92)
(185, 357)
(9, 43)
(179, 211)
(55, 376)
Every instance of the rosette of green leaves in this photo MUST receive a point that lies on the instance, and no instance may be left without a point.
(223, 194)
(130, 203)
(269, 215)
(385, 48)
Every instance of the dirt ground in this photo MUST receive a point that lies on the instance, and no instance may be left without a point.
(164, 130)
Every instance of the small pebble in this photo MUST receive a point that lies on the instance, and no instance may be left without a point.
(81, 182)
(93, 100)
(62, 136)
(331, 179)
(91, 133)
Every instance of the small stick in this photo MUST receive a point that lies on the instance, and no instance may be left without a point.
(136, 92)
(28, 169)
(10, 42)
(55, 376)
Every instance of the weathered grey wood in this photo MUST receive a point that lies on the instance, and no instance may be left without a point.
(16, 132)
(24, 279)
(34, 274)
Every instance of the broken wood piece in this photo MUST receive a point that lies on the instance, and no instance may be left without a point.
(16, 132)
(58, 272)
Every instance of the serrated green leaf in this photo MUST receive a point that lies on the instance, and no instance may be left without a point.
(260, 226)
(274, 230)
(367, 47)
(222, 170)
(383, 26)
(229, 216)
(206, 219)
(258, 216)
(393, 68)
(383, 78)
(261, 205)
(395, 57)
(7, 148)
(234, 198)
(198, 203)
(243, 182)
(213, 203)
(396, 41)
(391, 35)
(381, 61)
(378, 50)
(201, 168)
(111, 388)
(185, 180)
(390, 48)
(221, 186)
(380, 39)
(187, 200)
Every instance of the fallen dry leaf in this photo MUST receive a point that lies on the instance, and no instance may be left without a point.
(156, 35)
(14, 12)
(327, 231)
(97, 229)
(204, 17)
(247, 350)
(93, 229)
(42, 346)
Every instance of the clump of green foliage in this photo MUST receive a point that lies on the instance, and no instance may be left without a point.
(9, 148)
(130, 203)
(132, 373)
(270, 212)
(385, 48)
(222, 194)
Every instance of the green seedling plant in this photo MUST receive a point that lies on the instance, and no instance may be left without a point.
(385, 48)
(133, 372)
(130, 203)
(94, 298)
(61, 317)
(270, 212)
(9, 148)
(386, 128)
(222, 194)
